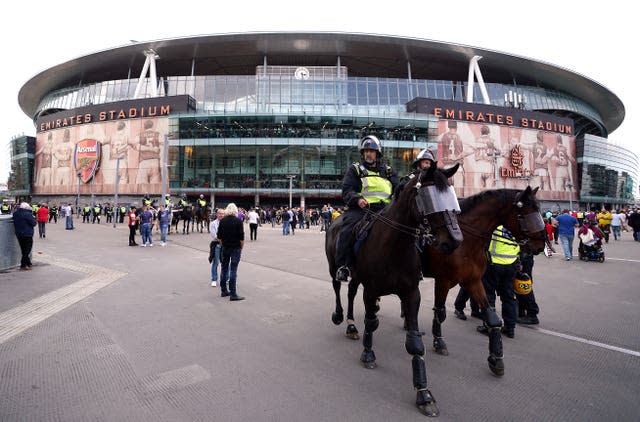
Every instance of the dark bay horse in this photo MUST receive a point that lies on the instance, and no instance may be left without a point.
(184, 214)
(518, 211)
(201, 218)
(388, 263)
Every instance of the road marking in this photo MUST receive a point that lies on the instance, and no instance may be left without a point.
(590, 342)
(622, 259)
(27, 315)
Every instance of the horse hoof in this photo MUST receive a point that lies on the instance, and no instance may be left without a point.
(429, 409)
(352, 332)
(496, 365)
(369, 365)
(337, 318)
(427, 404)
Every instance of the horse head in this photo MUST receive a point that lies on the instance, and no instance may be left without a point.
(434, 206)
(529, 229)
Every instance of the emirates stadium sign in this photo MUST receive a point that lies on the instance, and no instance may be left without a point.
(86, 158)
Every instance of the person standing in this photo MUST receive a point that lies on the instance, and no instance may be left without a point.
(43, 219)
(604, 221)
(566, 232)
(164, 217)
(498, 278)
(53, 214)
(527, 306)
(133, 223)
(214, 246)
(67, 211)
(23, 223)
(146, 223)
(231, 237)
(634, 223)
(253, 217)
(616, 224)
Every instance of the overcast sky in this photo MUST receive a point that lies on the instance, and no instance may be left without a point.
(593, 38)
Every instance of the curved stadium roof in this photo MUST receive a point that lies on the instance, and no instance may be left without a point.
(363, 54)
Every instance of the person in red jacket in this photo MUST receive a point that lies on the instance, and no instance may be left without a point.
(43, 219)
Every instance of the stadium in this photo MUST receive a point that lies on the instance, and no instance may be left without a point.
(267, 118)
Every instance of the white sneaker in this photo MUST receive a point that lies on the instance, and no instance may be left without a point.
(163, 244)
(150, 244)
(214, 284)
(144, 245)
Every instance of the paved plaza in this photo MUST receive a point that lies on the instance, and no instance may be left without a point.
(102, 331)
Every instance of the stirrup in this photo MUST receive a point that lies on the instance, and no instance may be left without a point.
(343, 273)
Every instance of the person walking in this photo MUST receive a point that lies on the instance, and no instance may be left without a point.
(253, 218)
(616, 224)
(566, 232)
(214, 246)
(231, 237)
(23, 223)
(43, 219)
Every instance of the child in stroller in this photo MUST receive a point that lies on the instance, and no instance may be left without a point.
(590, 247)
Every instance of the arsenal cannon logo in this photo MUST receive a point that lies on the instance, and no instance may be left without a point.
(87, 159)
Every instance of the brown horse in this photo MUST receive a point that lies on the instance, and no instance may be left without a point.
(388, 263)
(516, 210)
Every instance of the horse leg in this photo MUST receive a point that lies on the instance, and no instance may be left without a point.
(338, 315)
(368, 357)
(425, 401)
(352, 331)
(494, 324)
(439, 315)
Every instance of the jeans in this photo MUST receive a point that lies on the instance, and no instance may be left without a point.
(69, 222)
(567, 245)
(164, 228)
(215, 263)
(229, 260)
(616, 232)
(41, 229)
(285, 228)
(145, 231)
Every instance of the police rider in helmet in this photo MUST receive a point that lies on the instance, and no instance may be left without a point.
(367, 184)
(201, 201)
(423, 161)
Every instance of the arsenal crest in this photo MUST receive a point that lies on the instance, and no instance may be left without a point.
(87, 158)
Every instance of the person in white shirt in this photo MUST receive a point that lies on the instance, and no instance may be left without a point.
(616, 225)
(253, 224)
(214, 246)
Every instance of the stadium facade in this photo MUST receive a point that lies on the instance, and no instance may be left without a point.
(258, 118)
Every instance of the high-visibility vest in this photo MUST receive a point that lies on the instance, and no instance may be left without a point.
(375, 188)
(503, 250)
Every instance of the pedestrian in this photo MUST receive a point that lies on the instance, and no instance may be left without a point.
(133, 223)
(231, 237)
(616, 224)
(634, 223)
(67, 211)
(253, 217)
(43, 219)
(214, 245)
(566, 233)
(146, 224)
(461, 302)
(23, 223)
(164, 217)
(527, 306)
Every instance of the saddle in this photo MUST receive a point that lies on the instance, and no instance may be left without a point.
(361, 230)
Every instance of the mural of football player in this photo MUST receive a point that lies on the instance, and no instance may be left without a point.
(116, 147)
(149, 150)
(541, 163)
(45, 155)
(485, 149)
(63, 152)
(451, 152)
(563, 162)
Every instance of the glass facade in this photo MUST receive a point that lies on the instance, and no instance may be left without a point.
(608, 173)
(22, 166)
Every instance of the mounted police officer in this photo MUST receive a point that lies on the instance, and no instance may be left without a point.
(367, 184)
(167, 201)
(423, 161)
(147, 200)
(202, 203)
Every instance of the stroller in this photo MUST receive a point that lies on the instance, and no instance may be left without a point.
(590, 247)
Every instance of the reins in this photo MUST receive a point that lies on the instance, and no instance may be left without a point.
(402, 228)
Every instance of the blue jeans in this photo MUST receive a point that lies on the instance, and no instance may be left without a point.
(285, 227)
(215, 263)
(567, 245)
(616, 232)
(145, 231)
(229, 260)
(69, 222)
(164, 228)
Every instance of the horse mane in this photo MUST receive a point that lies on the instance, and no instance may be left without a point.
(470, 202)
